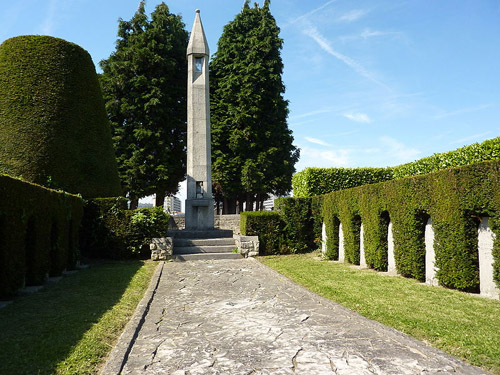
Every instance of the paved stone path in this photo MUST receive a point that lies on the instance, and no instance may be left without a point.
(239, 317)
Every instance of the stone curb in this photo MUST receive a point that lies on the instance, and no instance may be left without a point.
(119, 355)
(411, 342)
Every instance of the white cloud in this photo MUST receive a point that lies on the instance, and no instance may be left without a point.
(471, 138)
(312, 113)
(312, 11)
(325, 46)
(358, 117)
(368, 33)
(398, 151)
(47, 27)
(317, 141)
(313, 157)
(353, 15)
(462, 111)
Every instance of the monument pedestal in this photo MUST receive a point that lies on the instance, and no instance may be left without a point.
(200, 214)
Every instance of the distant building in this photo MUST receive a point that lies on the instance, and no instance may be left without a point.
(172, 205)
(145, 205)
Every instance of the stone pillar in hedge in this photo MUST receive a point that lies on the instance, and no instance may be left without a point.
(341, 244)
(324, 238)
(486, 237)
(391, 260)
(362, 258)
(430, 255)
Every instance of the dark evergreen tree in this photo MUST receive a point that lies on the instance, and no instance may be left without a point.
(252, 150)
(144, 86)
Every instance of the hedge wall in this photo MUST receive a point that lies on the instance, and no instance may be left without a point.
(54, 129)
(268, 226)
(111, 231)
(455, 199)
(317, 181)
(38, 233)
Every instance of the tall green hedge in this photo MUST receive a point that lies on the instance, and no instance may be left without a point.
(38, 233)
(268, 226)
(112, 231)
(53, 125)
(454, 199)
(317, 181)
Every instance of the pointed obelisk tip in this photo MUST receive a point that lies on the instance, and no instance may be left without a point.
(197, 11)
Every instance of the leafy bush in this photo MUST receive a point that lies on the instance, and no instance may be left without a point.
(298, 225)
(111, 231)
(268, 226)
(38, 233)
(54, 129)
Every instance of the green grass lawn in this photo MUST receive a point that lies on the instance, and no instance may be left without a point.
(70, 327)
(463, 325)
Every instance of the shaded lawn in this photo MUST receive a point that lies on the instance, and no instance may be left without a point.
(69, 327)
(463, 325)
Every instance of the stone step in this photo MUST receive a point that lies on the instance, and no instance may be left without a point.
(205, 256)
(182, 242)
(201, 234)
(204, 249)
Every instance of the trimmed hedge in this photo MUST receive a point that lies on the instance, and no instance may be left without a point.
(54, 129)
(111, 231)
(317, 181)
(38, 233)
(453, 198)
(265, 224)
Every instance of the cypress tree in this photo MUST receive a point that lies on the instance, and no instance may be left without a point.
(252, 150)
(144, 85)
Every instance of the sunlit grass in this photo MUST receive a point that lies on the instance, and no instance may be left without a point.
(463, 325)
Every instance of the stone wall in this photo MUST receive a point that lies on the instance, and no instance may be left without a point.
(231, 222)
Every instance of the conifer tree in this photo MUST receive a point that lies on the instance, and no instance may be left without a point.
(252, 150)
(144, 86)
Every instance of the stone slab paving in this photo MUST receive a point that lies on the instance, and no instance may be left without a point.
(240, 317)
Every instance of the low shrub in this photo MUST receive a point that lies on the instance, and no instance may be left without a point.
(38, 233)
(268, 226)
(111, 231)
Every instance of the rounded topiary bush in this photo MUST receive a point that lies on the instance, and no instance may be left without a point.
(53, 125)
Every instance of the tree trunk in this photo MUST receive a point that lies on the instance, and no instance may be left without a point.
(134, 203)
(160, 199)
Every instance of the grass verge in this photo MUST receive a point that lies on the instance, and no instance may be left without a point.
(70, 327)
(460, 324)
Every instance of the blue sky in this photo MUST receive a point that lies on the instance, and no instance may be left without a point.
(370, 83)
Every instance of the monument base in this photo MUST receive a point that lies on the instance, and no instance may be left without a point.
(200, 214)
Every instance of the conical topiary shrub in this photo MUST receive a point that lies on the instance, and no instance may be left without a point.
(53, 126)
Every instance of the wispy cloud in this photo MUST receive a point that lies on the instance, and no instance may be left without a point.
(309, 114)
(398, 150)
(313, 33)
(353, 15)
(317, 141)
(368, 33)
(471, 138)
(47, 27)
(462, 111)
(358, 117)
(305, 15)
(325, 158)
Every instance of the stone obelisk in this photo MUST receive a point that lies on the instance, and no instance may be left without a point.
(199, 202)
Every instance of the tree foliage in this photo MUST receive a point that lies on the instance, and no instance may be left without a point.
(144, 85)
(252, 150)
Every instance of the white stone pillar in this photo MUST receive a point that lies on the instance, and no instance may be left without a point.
(391, 259)
(487, 285)
(362, 258)
(323, 238)
(341, 244)
(430, 255)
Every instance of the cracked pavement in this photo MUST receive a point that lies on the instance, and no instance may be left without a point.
(239, 317)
